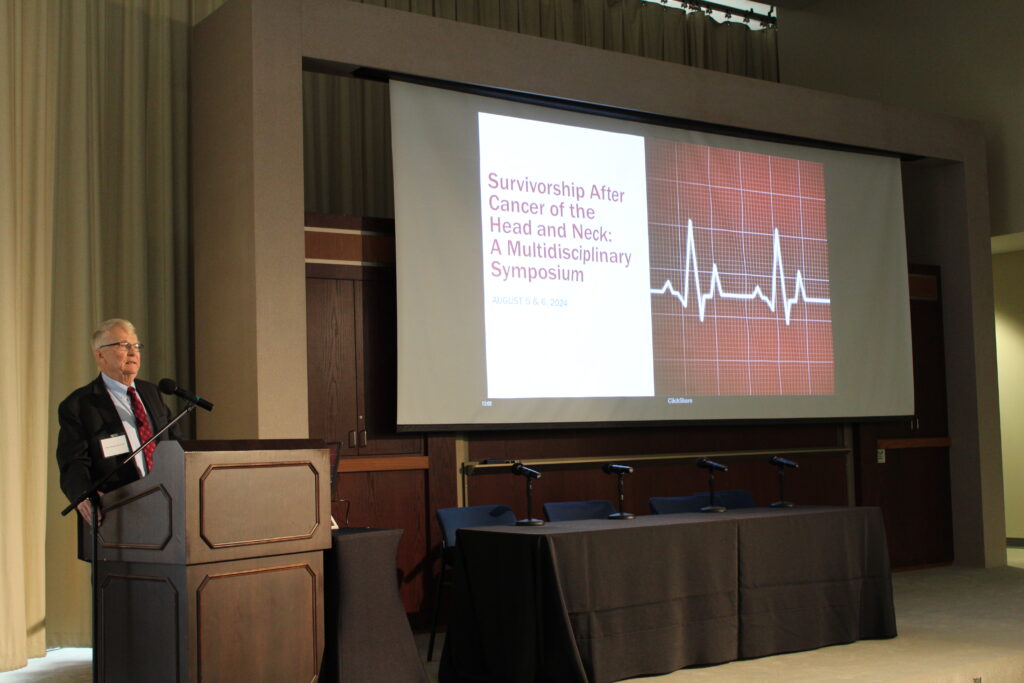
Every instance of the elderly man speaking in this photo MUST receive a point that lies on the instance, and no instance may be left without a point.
(109, 417)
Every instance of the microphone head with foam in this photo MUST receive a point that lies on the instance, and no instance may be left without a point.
(712, 465)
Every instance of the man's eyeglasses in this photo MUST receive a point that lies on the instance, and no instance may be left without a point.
(124, 345)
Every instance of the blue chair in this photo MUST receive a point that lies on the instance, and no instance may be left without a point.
(732, 500)
(578, 509)
(451, 520)
(676, 504)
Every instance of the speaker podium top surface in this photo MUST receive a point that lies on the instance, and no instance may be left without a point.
(211, 503)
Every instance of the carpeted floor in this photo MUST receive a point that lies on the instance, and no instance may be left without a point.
(956, 625)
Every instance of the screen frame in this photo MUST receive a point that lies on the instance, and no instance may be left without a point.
(634, 116)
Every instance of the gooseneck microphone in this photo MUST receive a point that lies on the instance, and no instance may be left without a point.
(171, 388)
(782, 463)
(528, 472)
(712, 465)
(621, 471)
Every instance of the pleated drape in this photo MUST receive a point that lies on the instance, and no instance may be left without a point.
(120, 224)
(28, 72)
(95, 225)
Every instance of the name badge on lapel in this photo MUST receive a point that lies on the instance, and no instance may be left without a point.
(114, 445)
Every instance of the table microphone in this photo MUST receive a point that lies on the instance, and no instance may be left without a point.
(712, 465)
(621, 471)
(783, 463)
(528, 472)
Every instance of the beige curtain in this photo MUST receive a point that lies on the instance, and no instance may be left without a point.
(121, 225)
(28, 69)
(94, 218)
(347, 129)
(95, 225)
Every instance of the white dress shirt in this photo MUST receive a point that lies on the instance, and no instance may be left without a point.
(119, 395)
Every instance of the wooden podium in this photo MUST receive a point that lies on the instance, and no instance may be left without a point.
(211, 566)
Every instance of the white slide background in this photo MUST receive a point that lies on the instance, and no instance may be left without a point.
(575, 318)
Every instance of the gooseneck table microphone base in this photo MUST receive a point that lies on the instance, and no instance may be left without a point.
(530, 520)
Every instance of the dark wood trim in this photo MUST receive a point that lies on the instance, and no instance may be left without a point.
(384, 226)
(369, 249)
(340, 271)
(190, 446)
(442, 492)
(444, 489)
(924, 282)
(385, 463)
(919, 442)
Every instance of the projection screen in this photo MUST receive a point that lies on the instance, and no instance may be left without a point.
(559, 267)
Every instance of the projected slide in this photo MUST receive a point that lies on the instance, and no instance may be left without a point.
(565, 259)
(619, 266)
(556, 267)
(739, 273)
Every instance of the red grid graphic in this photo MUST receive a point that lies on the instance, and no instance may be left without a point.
(725, 226)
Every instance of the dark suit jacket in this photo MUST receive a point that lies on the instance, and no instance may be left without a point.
(87, 416)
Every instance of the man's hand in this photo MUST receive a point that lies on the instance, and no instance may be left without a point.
(85, 509)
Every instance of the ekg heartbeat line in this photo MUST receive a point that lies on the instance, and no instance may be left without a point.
(690, 266)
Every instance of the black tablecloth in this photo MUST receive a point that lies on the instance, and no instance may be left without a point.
(813, 578)
(603, 600)
(366, 632)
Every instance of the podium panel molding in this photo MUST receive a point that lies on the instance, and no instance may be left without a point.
(140, 522)
(284, 598)
(140, 620)
(280, 520)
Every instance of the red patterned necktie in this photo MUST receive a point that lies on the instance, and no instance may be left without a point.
(142, 424)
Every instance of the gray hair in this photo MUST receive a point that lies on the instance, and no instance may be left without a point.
(106, 326)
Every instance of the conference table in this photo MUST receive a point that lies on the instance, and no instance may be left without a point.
(603, 600)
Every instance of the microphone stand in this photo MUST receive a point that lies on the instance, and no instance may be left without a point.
(782, 502)
(621, 514)
(93, 494)
(530, 519)
(711, 507)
